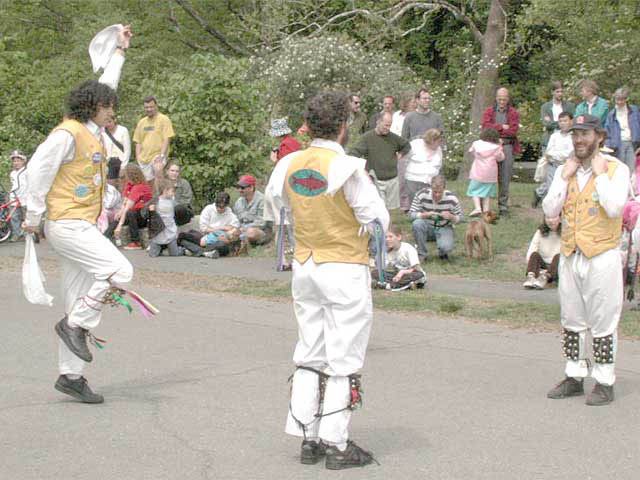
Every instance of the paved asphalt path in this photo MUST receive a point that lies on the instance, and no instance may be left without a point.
(264, 269)
(200, 392)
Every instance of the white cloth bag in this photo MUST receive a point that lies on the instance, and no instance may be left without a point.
(32, 276)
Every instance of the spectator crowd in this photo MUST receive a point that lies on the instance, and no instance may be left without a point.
(148, 204)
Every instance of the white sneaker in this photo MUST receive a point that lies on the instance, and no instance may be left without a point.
(530, 281)
(212, 254)
(541, 282)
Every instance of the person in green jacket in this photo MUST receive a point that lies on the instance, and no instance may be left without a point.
(593, 104)
(550, 111)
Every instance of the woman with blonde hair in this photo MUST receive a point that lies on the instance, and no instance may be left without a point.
(425, 161)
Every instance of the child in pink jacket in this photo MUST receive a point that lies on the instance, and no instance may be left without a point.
(483, 177)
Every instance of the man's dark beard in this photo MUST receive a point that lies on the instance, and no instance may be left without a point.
(592, 148)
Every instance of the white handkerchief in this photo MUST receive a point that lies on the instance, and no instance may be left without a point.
(32, 277)
(103, 45)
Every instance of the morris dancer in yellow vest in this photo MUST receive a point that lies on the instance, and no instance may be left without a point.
(589, 191)
(67, 178)
(332, 202)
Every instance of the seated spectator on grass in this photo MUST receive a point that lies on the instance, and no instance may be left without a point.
(402, 268)
(137, 193)
(434, 212)
(219, 230)
(543, 255)
(184, 192)
(425, 161)
(249, 209)
(163, 231)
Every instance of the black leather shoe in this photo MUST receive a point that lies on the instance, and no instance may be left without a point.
(311, 451)
(78, 389)
(75, 339)
(569, 387)
(353, 456)
(600, 395)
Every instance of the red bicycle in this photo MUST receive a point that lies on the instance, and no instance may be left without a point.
(7, 211)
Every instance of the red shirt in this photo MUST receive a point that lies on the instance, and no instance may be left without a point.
(287, 146)
(139, 194)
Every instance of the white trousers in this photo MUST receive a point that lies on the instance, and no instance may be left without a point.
(333, 307)
(90, 265)
(591, 293)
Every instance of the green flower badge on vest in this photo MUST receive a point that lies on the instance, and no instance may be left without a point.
(595, 197)
(307, 182)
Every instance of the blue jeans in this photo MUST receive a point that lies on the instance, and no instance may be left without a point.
(426, 232)
(16, 222)
(542, 190)
(627, 155)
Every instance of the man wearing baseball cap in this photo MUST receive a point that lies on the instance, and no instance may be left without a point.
(249, 209)
(589, 191)
(18, 192)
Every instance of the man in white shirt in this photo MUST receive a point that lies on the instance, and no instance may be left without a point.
(18, 192)
(66, 178)
(332, 202)
(589, 191)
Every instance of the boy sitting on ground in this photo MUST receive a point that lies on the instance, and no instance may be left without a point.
(219, 229)
(402, 267)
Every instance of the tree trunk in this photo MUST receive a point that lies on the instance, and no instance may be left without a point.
(487, 82)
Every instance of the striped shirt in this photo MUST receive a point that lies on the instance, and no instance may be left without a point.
(423, 202)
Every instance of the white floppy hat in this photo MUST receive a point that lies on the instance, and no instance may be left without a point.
(279, 127)
(103, 45)
(17, 154)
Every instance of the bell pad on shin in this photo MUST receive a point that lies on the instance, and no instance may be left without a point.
(571, 345)
(603, 349)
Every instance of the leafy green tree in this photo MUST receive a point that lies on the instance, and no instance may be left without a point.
(221, 120)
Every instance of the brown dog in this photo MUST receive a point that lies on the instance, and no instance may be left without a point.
(478, 237)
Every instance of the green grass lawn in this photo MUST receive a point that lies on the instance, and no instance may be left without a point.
(511, 237)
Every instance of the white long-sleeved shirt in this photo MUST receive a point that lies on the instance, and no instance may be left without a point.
(210, 219)
(423, 163)
(560, 147)
(58, 149)
(19, 186)
(547, 247)
(346, 173)
(121, 135)
(612, 193)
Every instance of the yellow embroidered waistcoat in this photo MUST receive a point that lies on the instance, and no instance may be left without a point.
(77, 190)
(325, 227)
(585, 223)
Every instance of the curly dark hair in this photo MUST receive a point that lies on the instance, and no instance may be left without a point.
(134, 174)
(83, 102)
(325, 114)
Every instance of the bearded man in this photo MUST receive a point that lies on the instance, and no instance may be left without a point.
(589, 191)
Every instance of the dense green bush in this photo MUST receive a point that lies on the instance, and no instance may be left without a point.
(220, 119)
